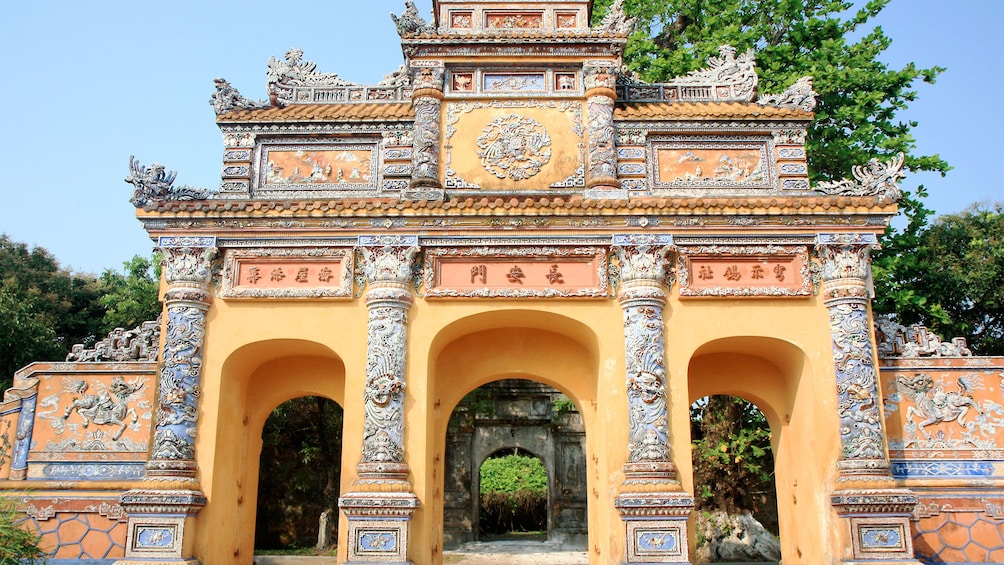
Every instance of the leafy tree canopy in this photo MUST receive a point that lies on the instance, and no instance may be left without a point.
(954, 280)
(45, 309)
(859, 95)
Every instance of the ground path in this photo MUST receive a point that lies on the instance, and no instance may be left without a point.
(514, 553)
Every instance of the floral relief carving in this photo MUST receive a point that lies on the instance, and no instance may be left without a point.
(515, 147)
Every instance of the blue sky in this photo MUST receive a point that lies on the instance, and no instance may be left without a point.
(90, 83)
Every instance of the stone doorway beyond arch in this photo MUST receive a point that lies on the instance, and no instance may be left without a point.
(524, 415)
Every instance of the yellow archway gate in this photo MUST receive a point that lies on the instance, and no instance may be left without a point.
(509, 204)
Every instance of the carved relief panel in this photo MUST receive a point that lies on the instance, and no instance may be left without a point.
(515, 272)
(298, 168)
(514, 145)
(709, 162)
(738, 270)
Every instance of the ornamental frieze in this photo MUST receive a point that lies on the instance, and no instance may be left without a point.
(759, 270)
(506, 145)
(516, 272)
(288, 273)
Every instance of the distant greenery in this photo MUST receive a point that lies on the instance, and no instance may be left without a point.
(45, 309)
(513, 495)
(18, 546)
(513, 473)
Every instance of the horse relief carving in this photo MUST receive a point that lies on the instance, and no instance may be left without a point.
(109, 407)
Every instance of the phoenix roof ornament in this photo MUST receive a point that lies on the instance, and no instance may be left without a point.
(798, 96)
(876, 178)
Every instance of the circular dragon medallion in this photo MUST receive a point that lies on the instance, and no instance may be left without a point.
(515, 147)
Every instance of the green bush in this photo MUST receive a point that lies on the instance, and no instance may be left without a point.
(513, 473)
(17, 545)
(513, 495)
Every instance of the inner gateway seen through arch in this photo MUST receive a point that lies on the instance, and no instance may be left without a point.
(530, 416)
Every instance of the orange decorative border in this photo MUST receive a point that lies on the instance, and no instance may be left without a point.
(516, 272)
(313, 272)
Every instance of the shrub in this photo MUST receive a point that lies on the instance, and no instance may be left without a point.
(513, 495)
(17, 545)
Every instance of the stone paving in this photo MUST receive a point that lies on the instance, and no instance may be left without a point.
(515, 553)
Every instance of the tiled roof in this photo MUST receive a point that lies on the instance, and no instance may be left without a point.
(324, 113)
(704, 110)
(546, 205)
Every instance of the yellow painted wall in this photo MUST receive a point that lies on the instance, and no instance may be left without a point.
(774, 352)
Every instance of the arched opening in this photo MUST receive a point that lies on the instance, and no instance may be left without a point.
(734, 487)
(513, 492)
(298, 477)
(527, 440)
(546, 356)
(775, 376)
(254, 380)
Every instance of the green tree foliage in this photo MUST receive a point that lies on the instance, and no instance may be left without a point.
(512, 473)
(18, 546)
(859, 95)
(954, 280)
(299, 475)
(45, 309)
(732, 457)
(130, 299)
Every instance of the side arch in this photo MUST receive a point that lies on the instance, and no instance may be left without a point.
(255, 379)
(778, 377)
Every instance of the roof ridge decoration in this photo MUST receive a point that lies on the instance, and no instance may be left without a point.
(141, 343)
(154, 184)
(896, 340)
(726, 78)
(410, 22)
(616, 21)
(295, 81)
(799, 96)
(876, 178)
(226, 98)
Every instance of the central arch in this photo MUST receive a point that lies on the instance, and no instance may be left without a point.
(538, 346)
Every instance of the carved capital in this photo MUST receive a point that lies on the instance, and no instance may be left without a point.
(188, 261)
(599, 74)
(845, 256)
(643, 258)
(388, 259)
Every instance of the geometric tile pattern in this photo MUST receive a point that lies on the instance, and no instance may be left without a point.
(81, 536)
(959, 537)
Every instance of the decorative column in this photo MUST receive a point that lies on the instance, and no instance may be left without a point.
(380, 507)
(160, 516)
(652, 502)
(427, 100)
(600, 79)
(877, 513)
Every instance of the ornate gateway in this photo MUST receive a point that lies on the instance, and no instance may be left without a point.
(510, 204)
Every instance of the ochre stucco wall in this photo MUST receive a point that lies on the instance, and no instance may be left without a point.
(775, 352)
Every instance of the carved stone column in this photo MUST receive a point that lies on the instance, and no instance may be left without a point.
(160, 516)
(652, 502)
(877, 513)
(427, 100)
(600, 81)
(380, 507)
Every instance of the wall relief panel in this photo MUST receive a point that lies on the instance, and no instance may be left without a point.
(712, 162)
(303, 167)
(288, 273)
(486, 272)
(758, 270)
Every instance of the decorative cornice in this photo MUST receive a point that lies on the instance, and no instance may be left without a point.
(876, 179)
